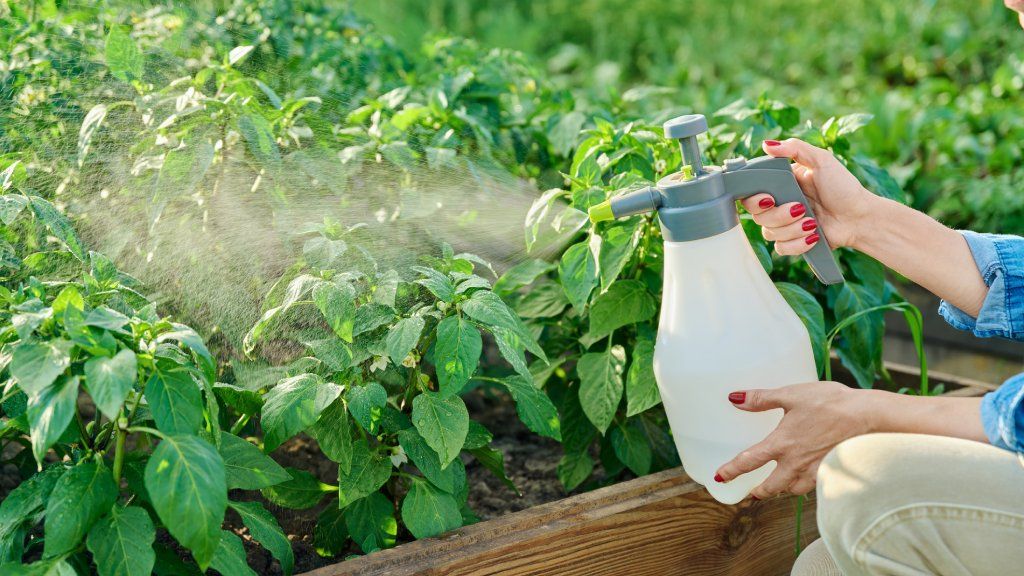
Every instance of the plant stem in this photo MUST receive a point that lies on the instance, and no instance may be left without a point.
(81, 428)
(119, 453)
(242, 421)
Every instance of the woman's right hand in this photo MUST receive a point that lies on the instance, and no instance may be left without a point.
(841, 205)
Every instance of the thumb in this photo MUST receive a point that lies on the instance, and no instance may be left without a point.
(795, 149)
(757, 400)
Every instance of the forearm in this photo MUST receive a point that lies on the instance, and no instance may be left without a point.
(925, 251)
(936, 415)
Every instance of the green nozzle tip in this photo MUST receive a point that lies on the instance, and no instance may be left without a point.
(687, 172)
(601, 212)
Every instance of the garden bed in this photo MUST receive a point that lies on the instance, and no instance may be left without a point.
(659, 524)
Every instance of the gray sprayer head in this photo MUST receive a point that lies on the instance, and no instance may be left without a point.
(700, 201)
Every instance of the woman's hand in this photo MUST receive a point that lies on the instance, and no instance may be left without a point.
(840, 203)
(819, 415)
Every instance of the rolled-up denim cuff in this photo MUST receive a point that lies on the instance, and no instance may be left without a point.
(1002, 415)
(1000, 260)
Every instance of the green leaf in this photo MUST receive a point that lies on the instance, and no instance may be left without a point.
(334, 353)
(544, 301)
(301, 492)
(368, 473)
(641, 386)
(246, 466)
(54, 567)
(50, 412)
(58, 225)
(109, 380)
(521, 274)
(265, 530)
(259, 136)
(811, 314)
(443, 423)
(293, 406)
(35, 365)
(124, 58)
(371, 316)
(323, 253)
(601, 385)
(451, 479)
(478, 436)
(330, 535)
(487, 308)
(617, 245)
(79, 498)
(574, 468)
(229, 557)
(577, 271)
(371, 522)
(402, 338)
(10, 206)
(239, 53)
(427, 511)
(174, 399)
(626, 302)
(21, 506)
(240, 398)
(338, 308)
(631, 447)
(366, 403)
(122, 542)
(187, 483)
(297, 289)
(456, 353)
(439, 284)
(862, 339)
(534, 407)
(494, 461)
(334, 434)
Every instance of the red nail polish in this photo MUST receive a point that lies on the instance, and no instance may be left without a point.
(809, 225)
(737, 397)
(797, 211)
(766, 203)
(812, 238)
(718, 478)
(755, 498)
(772, 142)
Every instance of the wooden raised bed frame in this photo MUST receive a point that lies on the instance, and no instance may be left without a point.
(661, 524)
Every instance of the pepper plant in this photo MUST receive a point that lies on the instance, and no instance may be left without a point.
(116, 415)
(375, 362)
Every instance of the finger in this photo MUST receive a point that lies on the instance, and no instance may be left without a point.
(799, 229)
(750, 459)
(782, 215)
(758, 400)
(798, 246)
(802, 485)
(795, 149)
(758, 203)
(777, 483)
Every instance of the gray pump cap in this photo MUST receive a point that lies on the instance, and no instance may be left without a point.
(701, 204)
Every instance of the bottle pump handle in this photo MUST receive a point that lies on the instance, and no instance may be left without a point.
(784, 190)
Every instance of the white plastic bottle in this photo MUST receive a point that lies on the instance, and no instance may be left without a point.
(724, 328)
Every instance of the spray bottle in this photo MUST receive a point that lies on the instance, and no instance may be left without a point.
(723, 325)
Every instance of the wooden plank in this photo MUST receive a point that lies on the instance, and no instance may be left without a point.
(660, 524)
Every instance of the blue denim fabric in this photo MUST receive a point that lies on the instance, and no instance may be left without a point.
(1000, 259)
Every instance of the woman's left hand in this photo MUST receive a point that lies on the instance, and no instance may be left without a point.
(818, 416)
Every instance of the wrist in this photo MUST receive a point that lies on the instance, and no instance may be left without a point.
(872, 215)
(872, 410)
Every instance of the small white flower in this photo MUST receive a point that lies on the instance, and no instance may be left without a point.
(399, 457)
(379, 363)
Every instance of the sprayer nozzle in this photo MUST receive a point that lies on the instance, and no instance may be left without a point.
(601, 212)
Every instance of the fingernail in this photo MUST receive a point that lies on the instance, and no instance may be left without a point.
(766, 203)
(737, 397)
(809, 225)
(752, 497)
(772, 142)
(812, 238)
(718, 478)
(797, 211)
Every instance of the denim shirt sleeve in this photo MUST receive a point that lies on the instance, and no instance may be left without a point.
(1000, 259)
